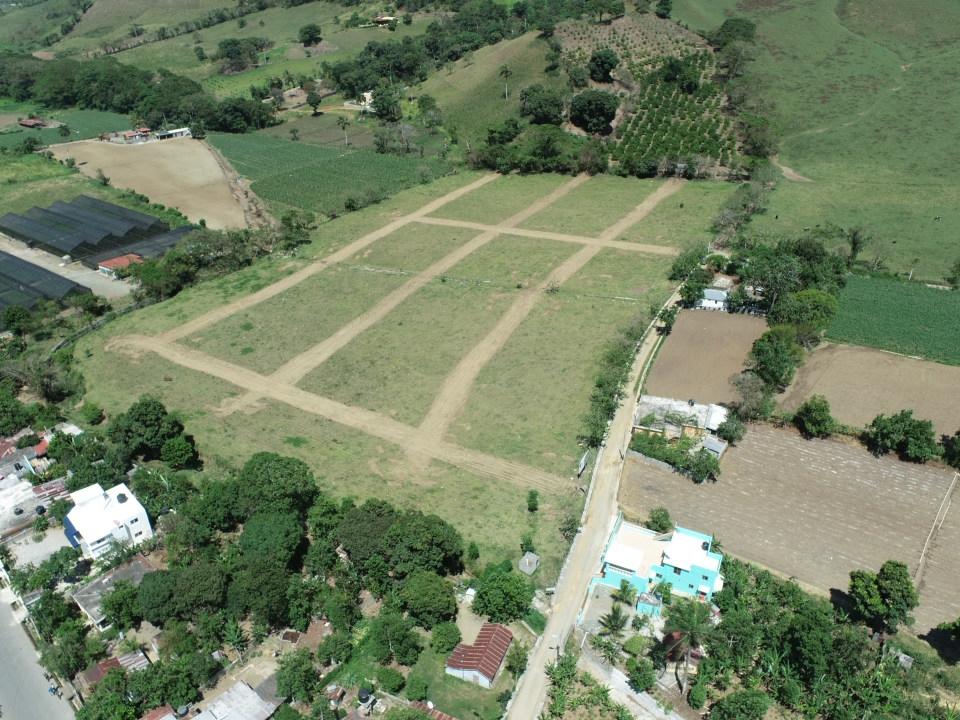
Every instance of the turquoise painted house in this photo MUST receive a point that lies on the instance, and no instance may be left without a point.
(682, 557)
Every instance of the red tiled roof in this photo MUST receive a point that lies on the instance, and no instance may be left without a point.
(159, 713)
(41, 447)
(91, 676)
(432, 712)
(486, 654)
(121, 261)
(32, 123)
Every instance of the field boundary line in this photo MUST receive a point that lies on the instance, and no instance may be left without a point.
(559, 237)
(366, 421)
(247, 301)
(938, 521)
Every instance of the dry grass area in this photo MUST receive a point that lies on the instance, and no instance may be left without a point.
(861, 383)
(816, 510)
(180, 173)
(701, 354)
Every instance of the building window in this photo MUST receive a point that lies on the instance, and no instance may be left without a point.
(141, 533)
(690, 586)
(676, 571)
(705, 578)
(134, 521)
(659, 576)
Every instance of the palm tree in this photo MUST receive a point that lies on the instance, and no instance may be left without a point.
(613, 622)
(343, 123)
(690, 620)
(505, 73)
(626, 594)
(235, 637)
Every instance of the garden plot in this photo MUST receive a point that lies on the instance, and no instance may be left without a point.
(813, 510)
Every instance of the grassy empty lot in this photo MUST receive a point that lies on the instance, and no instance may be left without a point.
(907, 318)
(272, 332)
(498, 201)
(528, 402)
(384, 370)
(863, 93)
(823, 509)
(684, 218)
(590, 208)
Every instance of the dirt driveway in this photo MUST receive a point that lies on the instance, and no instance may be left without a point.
(180, 173)
(702, 352)
(816, 510)
(861, 383)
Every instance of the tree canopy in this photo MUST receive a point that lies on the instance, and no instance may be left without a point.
(594, 110)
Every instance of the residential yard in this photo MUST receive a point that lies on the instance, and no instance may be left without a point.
(457, 697)
(822, 509)
(700, 355)
(861, 383)
(498, 201)
(590, 208)
(684, 218)
(908, 318)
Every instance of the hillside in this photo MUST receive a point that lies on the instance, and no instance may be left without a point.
(864, 96)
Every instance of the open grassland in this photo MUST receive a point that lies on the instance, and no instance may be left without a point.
(907, 318)
(498, 201)
(470, 92)
(273, 332)
(385, 370)
(320, 179)
(864, 95)
(25, 28)
(83, 124)
(684, 218)
(590, 208)
(529, 401)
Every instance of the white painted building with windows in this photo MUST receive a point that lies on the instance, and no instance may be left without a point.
(103, 517)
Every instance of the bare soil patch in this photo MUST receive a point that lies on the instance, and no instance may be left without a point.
(815, 510)
(701, 354)
(861, 383)
(179, 173)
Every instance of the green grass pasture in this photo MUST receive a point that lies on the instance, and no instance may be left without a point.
(397, 366)
(594, 206)
(684, 217)
(322, 129)
(529, 401)
(502, 199)
(83, 124)
(865, 94)
(907, 318)
(457, 697)
(276, 330)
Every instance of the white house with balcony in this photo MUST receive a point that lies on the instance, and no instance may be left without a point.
(101, 518)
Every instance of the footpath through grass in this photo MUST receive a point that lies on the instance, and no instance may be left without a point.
(902, 317)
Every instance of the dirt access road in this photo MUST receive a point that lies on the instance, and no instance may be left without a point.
(180, 173)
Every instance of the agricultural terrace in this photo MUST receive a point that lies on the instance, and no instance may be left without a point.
(700, 355)
(861, 383)
(408, 355)
(907, 318)
(324, 179)
(863, 96)
(823, 509)
(180, 173)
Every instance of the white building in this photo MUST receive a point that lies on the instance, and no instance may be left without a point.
(713, 299)
(101, 517)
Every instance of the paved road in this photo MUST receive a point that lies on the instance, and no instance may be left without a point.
(23, 691)
(584, 557)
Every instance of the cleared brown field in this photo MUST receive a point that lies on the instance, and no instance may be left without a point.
(816, 510)
(701, 354)
(861, 383)
(179, 173)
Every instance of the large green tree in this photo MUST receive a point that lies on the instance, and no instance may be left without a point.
(688, 626)
(503, 596)
(121, 605)
(274, 483)
(297, 677)
(884, 599)
(602, 63)
(391, 637)
(775, 355)
(428, 598)
(912, 438)
(741, 705)
(594, 110)
(813, 417)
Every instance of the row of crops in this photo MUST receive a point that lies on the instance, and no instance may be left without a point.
(670, 123)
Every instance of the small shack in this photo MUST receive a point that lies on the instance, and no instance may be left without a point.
(529, 563)
(32, 123)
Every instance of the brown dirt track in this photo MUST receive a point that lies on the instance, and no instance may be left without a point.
(700, 355)
(179, 173)
(861, 383)
(816, 510)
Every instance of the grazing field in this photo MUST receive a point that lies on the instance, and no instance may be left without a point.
(861, 383)
(682, 219)
(500, 200)
(864, 95)
(430, 364)
(823, 509)
(82, 124)
(289, 174)
(700, 355)
(25, 28)
(907, 318)
(183, 174)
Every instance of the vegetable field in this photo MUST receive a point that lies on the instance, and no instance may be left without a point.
(321, 179)
(907, 318)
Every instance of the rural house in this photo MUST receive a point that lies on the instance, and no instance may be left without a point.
(240, 702)
(480, 662)
(713, 299)
(101, 518)
(677, 418)
(89, 597)
(682, 557)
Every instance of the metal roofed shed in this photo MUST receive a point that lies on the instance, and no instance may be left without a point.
(239, 702)
(529, 563)
(677, 418)
(480, 662)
